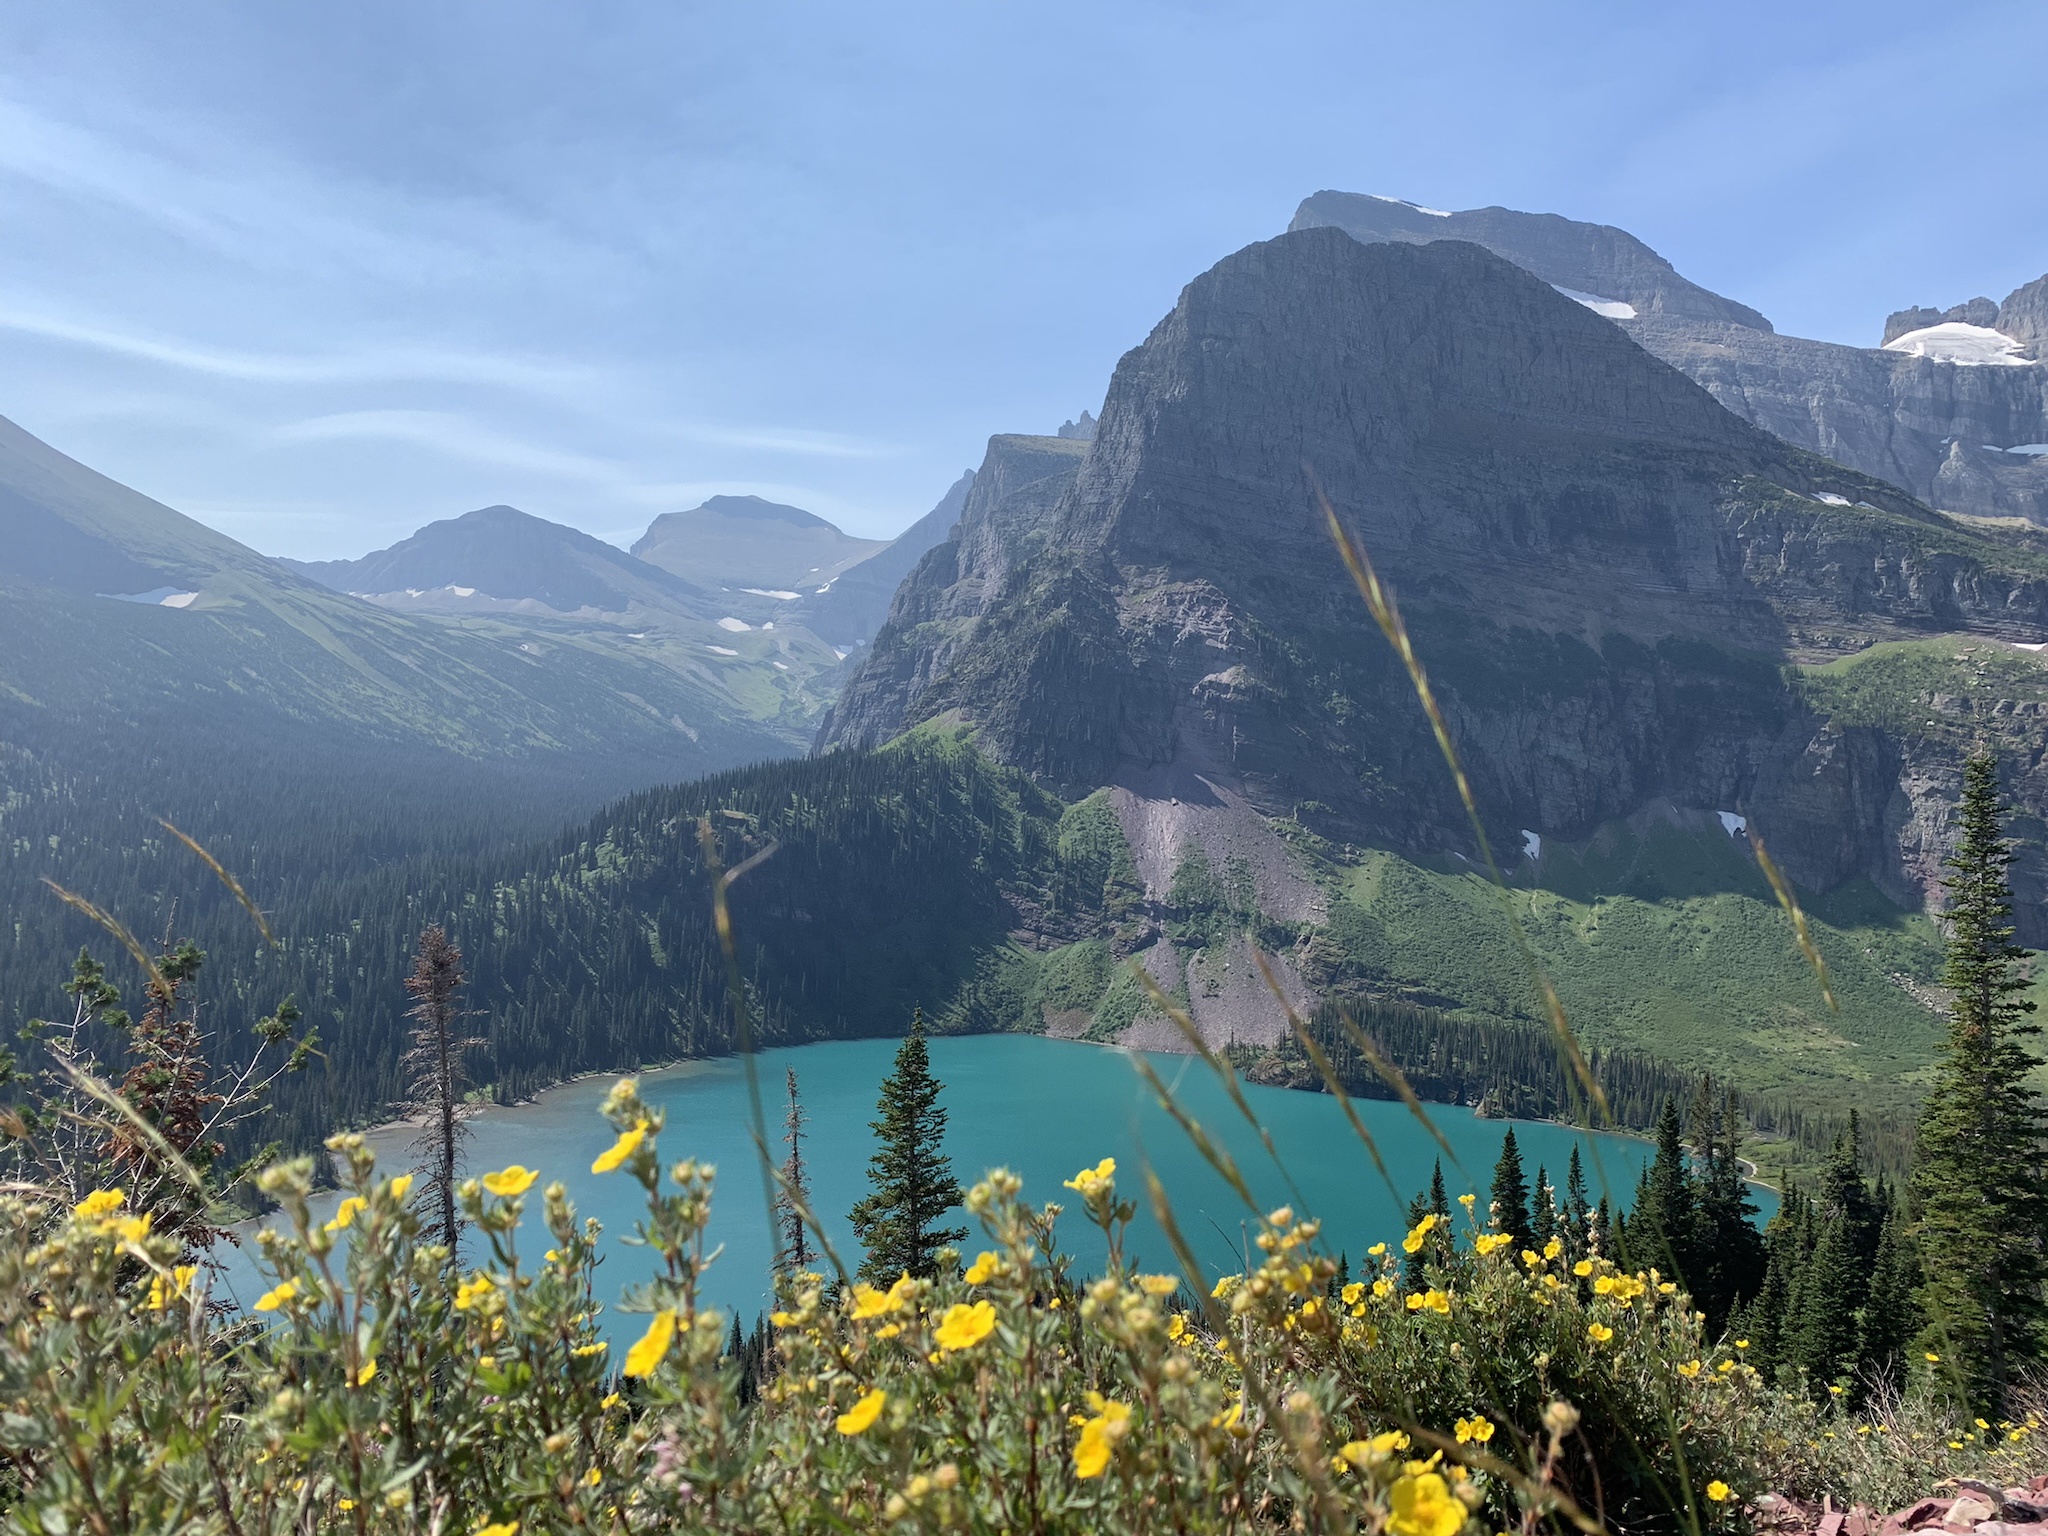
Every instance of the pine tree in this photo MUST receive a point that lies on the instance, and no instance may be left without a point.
(1843, 1192)
(912, 1183)
(1661, 1230)
(793, 1255)
(1511, 1193)
(1979, 1183)
(1439, 1201)
(1543, 1211)
(1889, 1318)
(438, 1082)
(1824, 1334)
(1578, 1210)
(1729, 1250)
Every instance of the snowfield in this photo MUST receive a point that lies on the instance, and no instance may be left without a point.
(1612, 309)
(1955, 342)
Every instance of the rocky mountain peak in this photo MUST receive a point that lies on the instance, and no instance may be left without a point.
(1597, 261)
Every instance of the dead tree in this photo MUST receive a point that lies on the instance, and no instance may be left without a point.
(437, 1083)
(792, 1202)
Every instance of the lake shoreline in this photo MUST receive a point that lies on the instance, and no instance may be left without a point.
(656, 1073)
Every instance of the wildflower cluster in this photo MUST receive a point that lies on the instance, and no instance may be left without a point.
(380, 1386)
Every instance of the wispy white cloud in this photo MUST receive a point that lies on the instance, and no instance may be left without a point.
(361, 367)
(174, 175)
(456, 436)
(823, 445)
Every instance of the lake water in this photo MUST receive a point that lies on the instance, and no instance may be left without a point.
(1043, 1108)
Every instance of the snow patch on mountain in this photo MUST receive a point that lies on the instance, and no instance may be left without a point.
(156, 597)
(1954, 342)
(1434, 213)
(1611, 309)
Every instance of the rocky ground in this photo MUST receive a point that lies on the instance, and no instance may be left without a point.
(1963, 1506)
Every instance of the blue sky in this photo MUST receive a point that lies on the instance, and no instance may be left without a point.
(320, 274)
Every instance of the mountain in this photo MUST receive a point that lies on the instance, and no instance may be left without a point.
(853, 605)
(1951, 409)
(503, 555)
(1651, 625)
(1594, 260)
(747, 544)
(150, 666)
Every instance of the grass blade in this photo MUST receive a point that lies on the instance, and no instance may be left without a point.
(1225, 1073)
(743, 1032)
(220, 873)
(1393, 1077)
(1317, 1055)
(114, 926)
(1379, 601)
(1790, 903)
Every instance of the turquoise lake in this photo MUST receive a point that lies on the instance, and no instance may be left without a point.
(1043, 1108)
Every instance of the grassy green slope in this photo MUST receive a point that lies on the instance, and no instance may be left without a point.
(1706, 981)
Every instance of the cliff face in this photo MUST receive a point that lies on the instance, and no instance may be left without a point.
(1936, 428)
(1604, 570)
(1002, 517)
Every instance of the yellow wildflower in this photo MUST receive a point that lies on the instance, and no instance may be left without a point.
(162, 1292)
(277, 1296)
(364, 1376)
(345, 1214)
(1382, 1288)
(507, 1182)
(1933, 1358)
(401, 1186)
(654, 1344)
(1377, 1250)
(100, 1204)
(1225, 1284)
(1583, 1268)
(1417, 1234)
(1158, 1285)
(585, 1351)
(1488, 1242)
(1553, 1248)
(869, 1302)
(981, 1269)
(474, 1291)
(1690, 1369)
(1425, 1506)
(963, 1327)
(1719, 1491)
(1353, 1292)
(1091, 1180)
(1531, 1257)
(1433, 1301)
(1599, 1333)
(862, 1414)
(500, 1528)
(1467, 1201)
(620, 1150)
(1177, 1328)
(1476, 1430)
(1099, 1437)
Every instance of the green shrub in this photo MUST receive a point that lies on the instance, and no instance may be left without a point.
(382, 1387)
